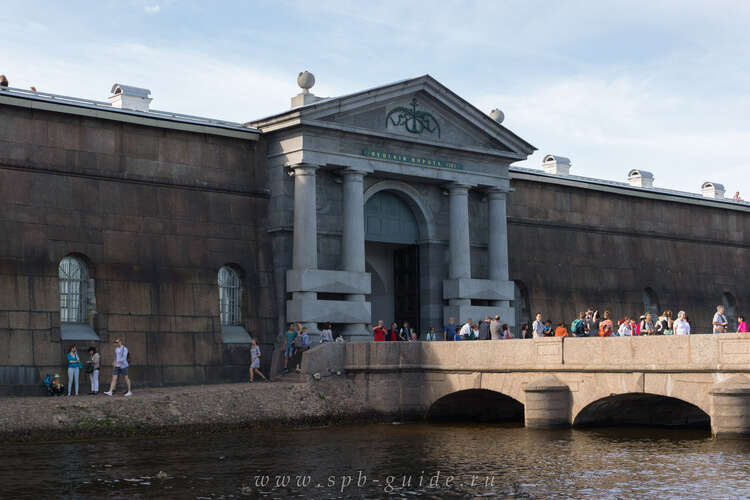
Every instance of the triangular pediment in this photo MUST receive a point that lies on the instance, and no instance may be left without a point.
(420, 109)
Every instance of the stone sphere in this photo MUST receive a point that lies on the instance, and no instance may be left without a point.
(306, 80)
(497, 115)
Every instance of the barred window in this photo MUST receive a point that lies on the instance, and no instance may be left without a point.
(73, 276)
(230, 292)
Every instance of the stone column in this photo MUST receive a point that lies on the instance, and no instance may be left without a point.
(353, 240)
(548, 403)
(459, 244)
(305, 251)
(498, 237)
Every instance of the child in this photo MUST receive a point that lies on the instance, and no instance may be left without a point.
(255, 361)
(506, 332)
(561, 331)
(741, 324)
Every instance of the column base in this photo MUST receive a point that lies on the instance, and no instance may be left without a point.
(547, 404)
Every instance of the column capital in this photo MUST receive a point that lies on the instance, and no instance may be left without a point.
(304, 168)
(496, 193)
(353, 173)
(458, 187)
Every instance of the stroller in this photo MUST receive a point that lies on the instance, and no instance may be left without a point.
(52, 385)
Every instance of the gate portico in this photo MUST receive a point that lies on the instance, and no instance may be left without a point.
(415, 133)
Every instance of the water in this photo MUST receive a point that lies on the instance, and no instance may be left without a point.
(485, 460)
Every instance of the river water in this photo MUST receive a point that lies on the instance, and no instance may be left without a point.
(401, 461)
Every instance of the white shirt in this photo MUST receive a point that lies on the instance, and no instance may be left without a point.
(121, 356)
(681, 327)
(465, 331)
(719, 318)
(326, 336)
(625, 330)
(537, 328)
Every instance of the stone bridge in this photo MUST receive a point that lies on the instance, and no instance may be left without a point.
(554, 382)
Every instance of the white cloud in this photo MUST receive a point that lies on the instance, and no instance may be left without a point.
(152, 9)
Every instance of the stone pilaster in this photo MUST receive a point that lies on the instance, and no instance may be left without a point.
(353, 241)
(459, 243)
(305, 246)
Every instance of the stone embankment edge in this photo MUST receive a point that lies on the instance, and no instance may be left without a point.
(184, 410)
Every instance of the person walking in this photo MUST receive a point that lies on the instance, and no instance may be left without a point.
(578, 326)
(495, 329)
(449, 330)
(93, 365)
(741, 324)
(378, 332)
(720, 321)
(506, 332)
(606, 326)
(255, 361)
(537, 327)
(290, 336)
(326, 335)
(681, 325)
(120, 365)
(74, 367)
(626, 328)
(647, 326)
(484, 329)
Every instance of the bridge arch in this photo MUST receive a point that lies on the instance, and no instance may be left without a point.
(477, 405)
(642, 408)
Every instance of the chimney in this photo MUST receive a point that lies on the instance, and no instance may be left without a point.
(712, 190)
(558, 165)
(305, 80)
(641, 178)
(127, 97)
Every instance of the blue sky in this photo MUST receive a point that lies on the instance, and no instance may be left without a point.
(659, 85)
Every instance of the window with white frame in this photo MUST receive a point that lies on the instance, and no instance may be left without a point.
(73, 277)
(230, 293)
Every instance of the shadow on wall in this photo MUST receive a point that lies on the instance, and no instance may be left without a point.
(642, 410)
(476, 405)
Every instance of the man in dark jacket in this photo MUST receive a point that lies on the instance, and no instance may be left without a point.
(484, 329)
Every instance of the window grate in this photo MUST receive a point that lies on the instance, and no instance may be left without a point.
(73, 278)
(230, 291)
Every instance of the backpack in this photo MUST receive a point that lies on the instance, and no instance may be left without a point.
(575, 327)
(604, 330)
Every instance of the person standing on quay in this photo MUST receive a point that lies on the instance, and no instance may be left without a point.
(626, 328)
(326, 335)
(647, 326)
(94, 363)
(289, 343)
(404, 334)
(120, 365)
(449, 331)
(606, 327)
(484, 329)
(560, 330)
(537, 327)
(378, 332)
(506, 331)
(524, 331)
(74, 367)
(680, 325)
(255, 361)
(393, 333)
(578, 326)
(720, 321)
(465, 332)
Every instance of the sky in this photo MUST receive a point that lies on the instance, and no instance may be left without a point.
(613, 85)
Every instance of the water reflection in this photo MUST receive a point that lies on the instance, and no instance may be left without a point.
(492, 460)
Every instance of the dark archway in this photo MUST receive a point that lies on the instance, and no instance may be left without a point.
(650, 302)
(476, 405)
(638, 409)
(730, 310)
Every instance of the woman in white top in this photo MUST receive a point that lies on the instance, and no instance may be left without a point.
(626, 328)
(326, 335)
(680, 325)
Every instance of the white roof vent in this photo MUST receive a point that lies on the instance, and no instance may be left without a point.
(558, 165)
(712, 190)
(127, 97)
(641, 178)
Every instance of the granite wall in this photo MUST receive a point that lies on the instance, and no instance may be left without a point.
(574, 247)
(155, 213)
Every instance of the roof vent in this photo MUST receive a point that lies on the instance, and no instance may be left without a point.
(497, 115)
(641, 178)
(558, 165)
(305, 80)
(127, 97)
(712, 190)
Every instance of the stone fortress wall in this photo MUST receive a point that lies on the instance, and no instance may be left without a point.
(154, 212)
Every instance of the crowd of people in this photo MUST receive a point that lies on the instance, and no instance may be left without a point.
(54, 387)
(589, 323)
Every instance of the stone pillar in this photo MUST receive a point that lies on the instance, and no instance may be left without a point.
(498, 235)
(353, 241)
(459, 244)
(547, 403)
(305, 245)
(730, 408)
